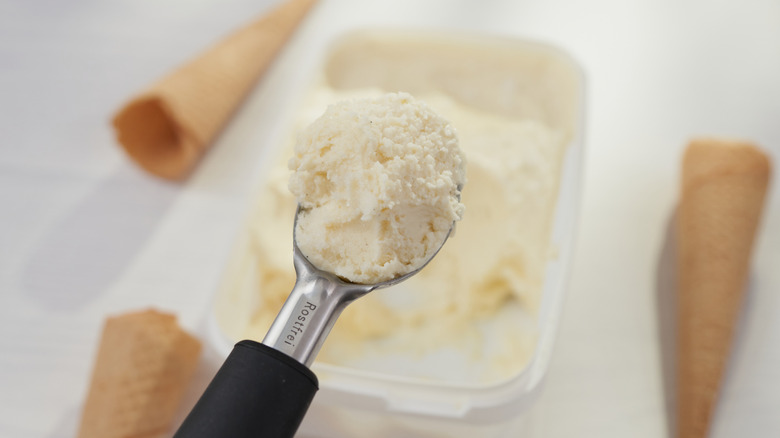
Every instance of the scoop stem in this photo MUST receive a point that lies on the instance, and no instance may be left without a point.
(311, 310)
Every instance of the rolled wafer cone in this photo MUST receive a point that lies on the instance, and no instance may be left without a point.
(143, 366)
(723, 189)
(167, 128)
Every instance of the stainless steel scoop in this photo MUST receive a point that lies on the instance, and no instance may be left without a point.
(314, 305)
(264, 389)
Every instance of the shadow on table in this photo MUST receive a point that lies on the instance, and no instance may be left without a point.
(68, 426)
(666, 311)
(90, 247)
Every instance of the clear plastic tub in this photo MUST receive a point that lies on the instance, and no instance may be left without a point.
(540, 82)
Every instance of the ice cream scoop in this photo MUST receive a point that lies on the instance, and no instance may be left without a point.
(265, 389)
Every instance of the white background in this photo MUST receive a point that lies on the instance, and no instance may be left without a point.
(84, 234)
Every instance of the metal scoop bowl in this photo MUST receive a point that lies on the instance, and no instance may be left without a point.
(315, 303)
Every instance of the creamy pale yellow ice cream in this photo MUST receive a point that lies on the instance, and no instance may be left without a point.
(474, 306)
(378, 181)
(481, 290)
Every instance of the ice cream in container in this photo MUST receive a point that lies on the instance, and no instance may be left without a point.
(462, 347)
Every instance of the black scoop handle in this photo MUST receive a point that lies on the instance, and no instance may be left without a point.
(258, 392)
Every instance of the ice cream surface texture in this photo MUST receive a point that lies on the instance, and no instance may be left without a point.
(378, 181)
(478, 294)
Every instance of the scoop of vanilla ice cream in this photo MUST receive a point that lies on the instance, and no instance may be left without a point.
(378, 181)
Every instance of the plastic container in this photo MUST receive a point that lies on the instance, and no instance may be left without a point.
(546, 84)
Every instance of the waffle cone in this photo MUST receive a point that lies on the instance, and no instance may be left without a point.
(167, 128)
(143, 366)
(723, 189)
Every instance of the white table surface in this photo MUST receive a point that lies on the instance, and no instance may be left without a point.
(84, 233)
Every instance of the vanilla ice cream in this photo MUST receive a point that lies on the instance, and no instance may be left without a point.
(378, 181)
